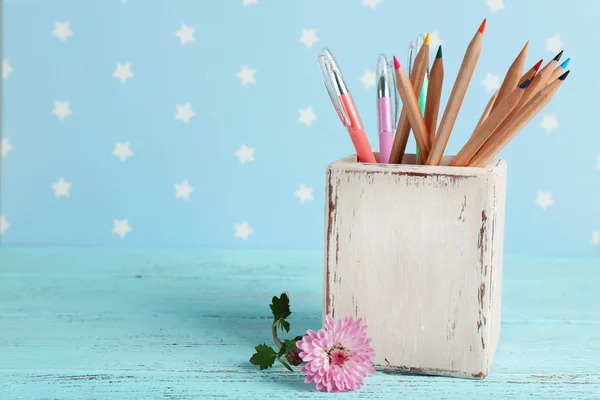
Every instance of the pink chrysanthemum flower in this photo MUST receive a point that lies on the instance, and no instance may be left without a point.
(339, 357)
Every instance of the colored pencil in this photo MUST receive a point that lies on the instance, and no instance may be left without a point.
(512, 77)
(411, 105)
(541, 79)
(434, 93)
(416, 78)
(486, 129)
(422, 101)
(530, 74)
(558, 71)
(502, 137)
(488, 109)
(527, 76)
(456, 97)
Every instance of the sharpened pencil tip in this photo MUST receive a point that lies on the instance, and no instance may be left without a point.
(564, 76)
(537, 66)
(558, 56)
(427, 39)
(482, 26)
(525, 84)
(565, 63)
(439, 52)
(396, 63)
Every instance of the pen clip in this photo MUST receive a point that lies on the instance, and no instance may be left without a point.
(396, 98)
(329, 70)
(411, 55)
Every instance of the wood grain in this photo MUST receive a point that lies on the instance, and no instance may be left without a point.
(79, 324)
(428, 231)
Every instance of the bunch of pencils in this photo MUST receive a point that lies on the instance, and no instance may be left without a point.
(522, 95)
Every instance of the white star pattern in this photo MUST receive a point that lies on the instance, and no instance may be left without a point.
(124, 1)
(304, 194)
(62, 30)
(243, 230)
(5, 147)
(495, 5)
(121, 227)
(595, 238)
(6, 69)
(62, 110)
(183, 190)
(434, 41)
(544, 200)
(185, 34)
(4, 225)
(491, 82)
(306, 116)
(184, 112)
(61, 188)
(309, 37)
(554, 44)
(372, 3)
(246, 75)
(549, 123)
(249, 2)
(122, 151)
(245, 154)
(368, 79)
(123, 72)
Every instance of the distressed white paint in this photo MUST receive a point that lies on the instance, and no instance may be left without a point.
(417, 252)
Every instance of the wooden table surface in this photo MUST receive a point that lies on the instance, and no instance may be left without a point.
(180, 324)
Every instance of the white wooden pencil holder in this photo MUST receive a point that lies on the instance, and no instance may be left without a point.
(416, 251)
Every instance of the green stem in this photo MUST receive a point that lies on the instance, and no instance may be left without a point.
(275, 338)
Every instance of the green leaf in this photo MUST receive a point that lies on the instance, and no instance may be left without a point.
(290, 345)
(298, 338)
(285, 364)
(280, 307)
(264, 357)
(283, 325)
(282, 350)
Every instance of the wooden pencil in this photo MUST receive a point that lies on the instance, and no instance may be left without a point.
(416, 78)
(530, 74)
(558, 71)
(512, 77)
(411, 105)
(434, 93)
(488, 109)
(486, 129)
(541, 79)
(502, 137)
(527, 76)
(456, 97)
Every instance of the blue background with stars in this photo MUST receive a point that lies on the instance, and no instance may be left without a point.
(263, 114)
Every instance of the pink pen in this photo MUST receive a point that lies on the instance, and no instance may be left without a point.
(344, 106)
(385, 117)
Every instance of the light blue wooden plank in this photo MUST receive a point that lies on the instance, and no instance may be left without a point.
(106, 323)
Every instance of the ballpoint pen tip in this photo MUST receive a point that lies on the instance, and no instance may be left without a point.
(396, 63)
(565, 63)
(564, 76)
(427, 39)
(482, 26)
(537, 66)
